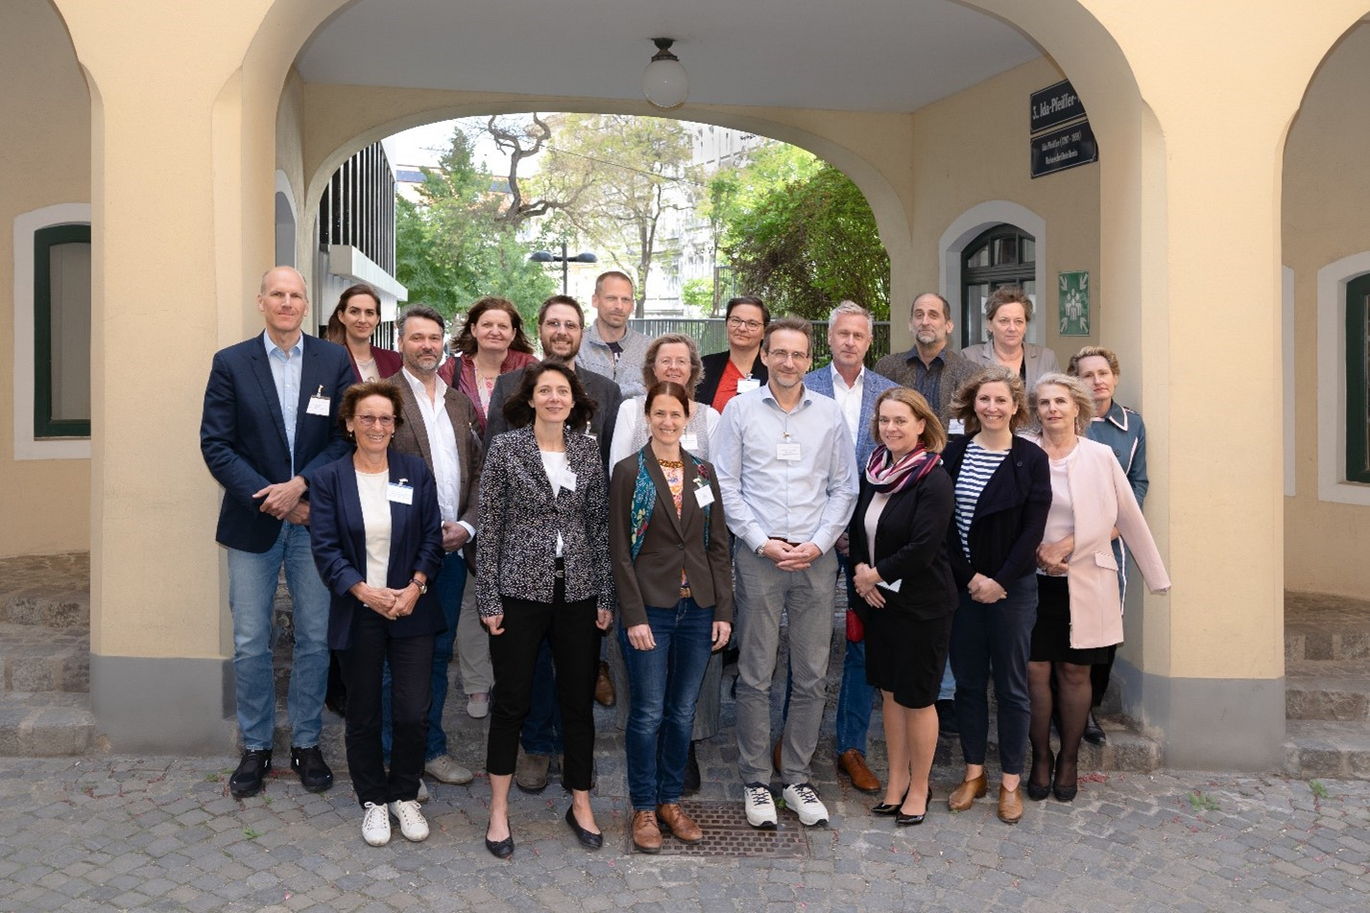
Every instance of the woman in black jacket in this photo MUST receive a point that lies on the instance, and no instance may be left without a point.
(901, 572)
(1002, 487)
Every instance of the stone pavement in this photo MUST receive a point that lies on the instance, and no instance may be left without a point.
(124, 833)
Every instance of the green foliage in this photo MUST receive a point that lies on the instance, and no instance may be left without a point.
(452, 247)
(798, 232)
(1202, 802)
(614, 177)
(1319, 790)
(697, 294)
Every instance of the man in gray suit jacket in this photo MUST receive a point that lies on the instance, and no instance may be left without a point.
(437, 426)
(930, 367)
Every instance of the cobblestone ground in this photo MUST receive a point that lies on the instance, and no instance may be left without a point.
(123, 833)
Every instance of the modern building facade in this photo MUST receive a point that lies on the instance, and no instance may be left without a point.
(1220, 229)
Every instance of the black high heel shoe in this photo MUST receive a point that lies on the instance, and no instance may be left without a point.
(1038, 793)
(889, 809)
(588, 839)
(903, 820)
(1063, 792)
(500, 849)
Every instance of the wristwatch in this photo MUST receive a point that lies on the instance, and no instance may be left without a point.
(423, 587)
(761, 549)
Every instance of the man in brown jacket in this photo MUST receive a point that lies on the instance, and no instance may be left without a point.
(437, 426)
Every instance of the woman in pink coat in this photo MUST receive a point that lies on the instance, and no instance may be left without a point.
(1079, 610)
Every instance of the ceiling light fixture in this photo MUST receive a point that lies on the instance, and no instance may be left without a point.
(665, 83)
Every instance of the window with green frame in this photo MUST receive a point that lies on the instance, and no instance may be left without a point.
(1358, 379)
(61, 332)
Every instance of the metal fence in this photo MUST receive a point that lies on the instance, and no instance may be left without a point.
(711, 335)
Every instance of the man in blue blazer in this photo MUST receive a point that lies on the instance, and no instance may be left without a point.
(850, 330)
(270, 421)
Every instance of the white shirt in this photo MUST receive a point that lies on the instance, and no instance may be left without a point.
(555, 463)
(849, 398)
(371, 492)
(442, 444)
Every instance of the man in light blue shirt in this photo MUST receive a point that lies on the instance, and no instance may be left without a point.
(787, 472)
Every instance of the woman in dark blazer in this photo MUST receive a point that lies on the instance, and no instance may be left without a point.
(543, 572)
(1002, 486)
(747, 317)
(669, 543)
(900, 571)
(376, 535)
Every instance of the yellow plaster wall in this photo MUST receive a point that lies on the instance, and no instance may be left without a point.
(1324, 218)
(45, 108)
(973, 147)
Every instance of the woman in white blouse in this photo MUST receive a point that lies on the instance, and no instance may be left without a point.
(376, 533)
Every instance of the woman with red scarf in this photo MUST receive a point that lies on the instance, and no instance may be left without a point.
(907, 596)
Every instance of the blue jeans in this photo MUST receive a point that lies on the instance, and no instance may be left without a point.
(252, 581)
(665, 683)
(854, 700)
(541, 732)
(449, 587)
(947, 692)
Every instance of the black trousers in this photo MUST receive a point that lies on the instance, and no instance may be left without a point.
(411, 692)
(570, 630)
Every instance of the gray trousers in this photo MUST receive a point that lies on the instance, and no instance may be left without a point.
(763, 592)
(473, 646)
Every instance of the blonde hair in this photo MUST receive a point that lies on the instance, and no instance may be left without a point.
(934, 436)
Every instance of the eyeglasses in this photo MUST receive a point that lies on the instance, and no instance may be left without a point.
(738, 323)
(561, 324)
(385, 421)
(780, 355)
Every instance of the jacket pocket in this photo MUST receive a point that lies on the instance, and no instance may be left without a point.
(1105, 559)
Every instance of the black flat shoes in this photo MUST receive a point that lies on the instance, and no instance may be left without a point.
(588, 839)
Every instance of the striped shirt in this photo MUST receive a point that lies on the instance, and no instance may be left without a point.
(976, 468)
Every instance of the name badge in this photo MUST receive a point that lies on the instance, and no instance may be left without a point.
(704, 495)
(748, 384)
(956, 426)
(568, 480)
(318, 404)
(689, 441)
(787, 451)
(400, 492)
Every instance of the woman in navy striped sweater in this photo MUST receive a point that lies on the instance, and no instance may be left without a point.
(1002, 495)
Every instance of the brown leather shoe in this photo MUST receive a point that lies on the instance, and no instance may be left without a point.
(963, 796)
(604, 687)
(1010, 805)
(775, 754)
(853, 763)
(674, 819)
(646, 834)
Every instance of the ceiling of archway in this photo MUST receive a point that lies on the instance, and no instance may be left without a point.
(862, 55)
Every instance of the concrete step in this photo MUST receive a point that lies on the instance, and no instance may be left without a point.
(46, 724)
(1334, 690)
(1324, 628)
(39, 658)
(1322, 748)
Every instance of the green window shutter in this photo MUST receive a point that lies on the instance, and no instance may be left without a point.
(1358, 379)
(61, 333)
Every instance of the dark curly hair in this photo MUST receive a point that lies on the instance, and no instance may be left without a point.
(518, 408)
(465, 341)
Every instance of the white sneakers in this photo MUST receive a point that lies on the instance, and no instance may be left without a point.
(805, 802)
(376, 824)
(445, 770)
(413, 825)
(756, 797)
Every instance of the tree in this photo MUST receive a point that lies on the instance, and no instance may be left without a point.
(798, 232)
(617, 176)
(454, 247)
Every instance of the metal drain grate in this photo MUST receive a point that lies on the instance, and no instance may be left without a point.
(727, 833)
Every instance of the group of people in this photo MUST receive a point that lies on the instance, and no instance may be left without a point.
(625, 486)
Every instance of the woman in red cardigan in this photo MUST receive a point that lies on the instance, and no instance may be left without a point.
(491, 343)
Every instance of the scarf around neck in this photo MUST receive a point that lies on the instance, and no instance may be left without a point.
(644, 499)
(890, 477)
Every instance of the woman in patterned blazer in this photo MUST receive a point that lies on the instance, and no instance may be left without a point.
(543, 571)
